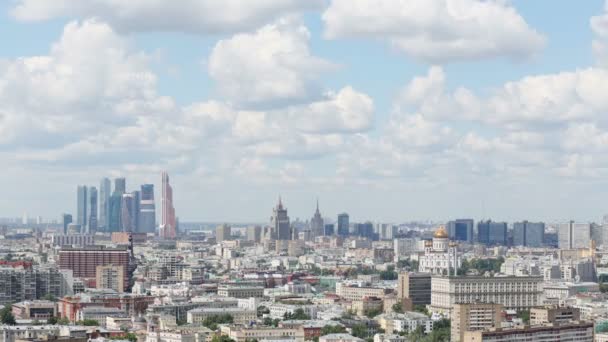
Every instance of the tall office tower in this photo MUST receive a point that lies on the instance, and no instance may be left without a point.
(530, 234)
(127, 207)
(461, 230)
(492, 233)
(120, 185)
(114, 224)
(168, 224)
(574, 235)
(385, 231)
(136, 210)
(343, 224)
(81, 205)
(91, 226)
(316, 223)
(366, 230)
(474, 317)
(147, 214)
(279, 222)
(329, 229)
(222, 233)
(254, 233)
(105, 191)
(66, 220)
(415, 286)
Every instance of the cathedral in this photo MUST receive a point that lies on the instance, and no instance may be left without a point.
(440, 253)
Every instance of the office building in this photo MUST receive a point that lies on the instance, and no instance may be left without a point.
(66, 220)
(34, 309)
(110, 277)
(353, 292)
(81, 205)
(474, 317)
(237, 291)
(254, 233)
(147, 214)
(343, 225)
(168, 227)
(239, 315)
(574, 235)
(136, 210)
(223, 232)
(120, 185)
(127, 212)
(329, 229)
(279, 222)
(72, 240)
(529, 234)
(461, 230)
(514, 293)
(91, 226)
(573, 332)
(316, 223)
(115, 203)
(492, 233)
(554, 314)
(105, 191)
(415, 287)
(366, 230)
(83, 261)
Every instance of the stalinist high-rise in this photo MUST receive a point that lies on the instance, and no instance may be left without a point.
(316, 223)
(279, 222)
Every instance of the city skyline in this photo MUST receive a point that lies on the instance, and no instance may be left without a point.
(502, 118)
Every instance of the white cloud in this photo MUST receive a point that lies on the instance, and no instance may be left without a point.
(436, 30)
(197, 16)
(272, 66)
(599, 26)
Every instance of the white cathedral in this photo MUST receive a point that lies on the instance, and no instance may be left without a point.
(440, 256)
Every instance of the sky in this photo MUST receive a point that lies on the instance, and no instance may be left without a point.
(390, 110)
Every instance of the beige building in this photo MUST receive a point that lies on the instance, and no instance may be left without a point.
(240, 291)
(517, 293)
(367, 304)
(239, 315)
(110, 277)
(554, 314)
(243, 333)
(473, 317)
(353, 292)
(415, 286)
(570, 332)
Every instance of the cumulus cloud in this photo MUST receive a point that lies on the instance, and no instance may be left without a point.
(196, 16)
(436, 30)
(599, 26)
(272, 66)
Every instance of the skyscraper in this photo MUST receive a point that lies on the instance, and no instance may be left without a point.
(222, 233)
(120, 185)
(574, 235)
(528, 234)
(279, 222)
(343, 224)
(136, 210)
(127, 207)
(105, 191)
(492, 233)
(147, 214)
(316, 223)
(461, 230)
(81, 205)
(115, 214)
(91, 226)
(167, 228)
(66, 220)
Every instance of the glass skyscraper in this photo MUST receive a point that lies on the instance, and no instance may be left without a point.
(91, 226)
(147, 210)
(343, 224)
(105, 191)
(81, 205)
(531, 234)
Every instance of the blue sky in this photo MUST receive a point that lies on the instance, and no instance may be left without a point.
(389, 110)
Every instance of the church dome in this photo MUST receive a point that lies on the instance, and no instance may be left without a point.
(441, 233)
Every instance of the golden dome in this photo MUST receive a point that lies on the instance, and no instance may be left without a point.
(441, 233)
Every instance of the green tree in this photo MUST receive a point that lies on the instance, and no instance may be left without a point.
(298, 314)
(389, 274)
(371, 313)
(221, 338)
(524, 315)
(88, 322)
(332, 329)
(52, 320)
(422, 309)
(360, 331)
(63, 321)
(211, 322)
(6, 315)
(262, 310)
(398, 308)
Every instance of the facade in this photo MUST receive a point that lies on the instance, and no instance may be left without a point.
(240, 291)
(81, 206)
(83, 261)
(254, 233)
(554, 314)
(72, 239)
(461, 230)
(343, 225)
(516, 293)
(147, 213)
(168, 227)
(529, 234)
(115, 213)
(128, 213)
(120, 185)
(440, 256)
(91, 226)
(223, 233)
(359, 292)
(66, 220)
(110, 277)
(239, 315)
(260, 333)
(572, 332)
(474, 317)
(35, 309)
(316, 223)
(279, 223)
(125, 238)
(406, 322)
(329, 229)
(414, 286)
(492, 233)
(573, 235)
(105, 190)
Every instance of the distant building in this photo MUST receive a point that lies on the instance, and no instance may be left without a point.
(83, 261)
(279, 223)
(66, 220)
(110, 277)
(72, 239)
(440, 255)
(168, 227)
(91, 226)
(329, 229)
(105, 190)
(574, 235)
(34, 310)
(316, 223)
(343, 224)
(554, 314)
(529, 234)
(147, 214)
(574, 331)
(461, 230)
(415, 287)
(223, 233)
(81, 205)
(474, 317)
(254, 233)
(120, 185)
(492, 233)
(366, 230)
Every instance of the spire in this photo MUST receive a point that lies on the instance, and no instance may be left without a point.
(280, 206)
(317, 211)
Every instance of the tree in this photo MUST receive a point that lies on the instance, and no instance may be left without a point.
(524, 315)
(128, 336)
(398, 308)
(6, 315)
(298, 314)
(371, 313)
(211, 322)
(221, 338)
(63, 321)
(389, 274)
(50, 297)
(422, 309)
(88, 322)
(262, 310)
(360, 331)
(52, 320)
(332, 329)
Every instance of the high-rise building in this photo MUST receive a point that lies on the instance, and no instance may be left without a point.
(316, 223)
(168, 222)
(91, 226)
(66, 220)
(343, 224)
(385, 231)
(571, 331)
(114, 224)
(414, 286)
(83, 261)
(279, 222)
(105, 190)
(554, 314)
(81, 205)
(574, 235)
(474, 317)
(254, 233)
(366, 230)
(120, 185)
(127, 213)
(136, 210)
(110, 277)
(329, 229)
(223, 233)
(492, 233)
(147, 214)
(461, 230)
(530, 234)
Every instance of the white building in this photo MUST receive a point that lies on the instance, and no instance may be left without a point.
(440, 256)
